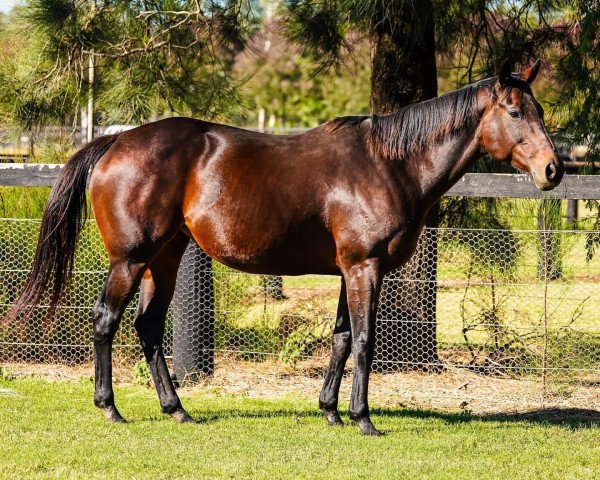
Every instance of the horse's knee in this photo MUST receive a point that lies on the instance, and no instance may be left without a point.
(105, 323)
(98, 309)
(362, 342)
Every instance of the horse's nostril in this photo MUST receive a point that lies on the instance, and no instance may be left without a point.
(551, 171)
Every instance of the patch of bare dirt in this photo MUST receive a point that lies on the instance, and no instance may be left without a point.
(452, 389)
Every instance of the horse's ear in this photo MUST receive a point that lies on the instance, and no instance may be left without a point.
(504, 73)
(530, 74)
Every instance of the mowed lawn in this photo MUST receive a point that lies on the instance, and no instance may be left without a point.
(52, 430)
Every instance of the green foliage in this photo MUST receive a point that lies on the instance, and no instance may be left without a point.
(593, 237)
(303, 340)
(321, 28)
(152, 59)
(475, 35)
(280, 80)
(6, 374)
(551, 251)
(27, 100)
(19, 202)
(327, 30)
(233, 295)
(578, 70)
(255, 342)
(498, 249)
(141, 375)
(249, 323)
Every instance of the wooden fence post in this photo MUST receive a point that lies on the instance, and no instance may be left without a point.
(272, 286)
(193, 317)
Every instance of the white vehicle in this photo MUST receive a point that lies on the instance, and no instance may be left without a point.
(112, 129)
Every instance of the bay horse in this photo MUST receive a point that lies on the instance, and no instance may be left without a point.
(347, 198)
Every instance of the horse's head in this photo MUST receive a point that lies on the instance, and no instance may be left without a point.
(512, 128)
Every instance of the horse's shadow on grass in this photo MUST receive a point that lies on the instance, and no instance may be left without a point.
(571, 418)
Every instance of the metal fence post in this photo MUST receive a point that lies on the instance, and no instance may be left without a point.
(193, 317)
(272, 285)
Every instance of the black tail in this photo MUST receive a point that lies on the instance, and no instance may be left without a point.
(62, 221)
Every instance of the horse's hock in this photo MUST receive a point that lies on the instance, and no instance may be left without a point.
(490, 316)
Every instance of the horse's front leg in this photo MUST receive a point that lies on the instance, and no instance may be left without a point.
(363, 283)
(340, 351)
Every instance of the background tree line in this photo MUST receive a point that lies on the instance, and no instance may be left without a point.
(303, 61)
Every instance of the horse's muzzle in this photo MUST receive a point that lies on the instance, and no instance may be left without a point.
(550, 175)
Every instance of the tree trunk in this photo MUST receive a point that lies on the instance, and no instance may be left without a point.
(31, 147)
(193, 309)
(402, 56)
(404, 72)
(91, 80)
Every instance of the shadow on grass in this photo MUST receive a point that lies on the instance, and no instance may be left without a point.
(571, 418)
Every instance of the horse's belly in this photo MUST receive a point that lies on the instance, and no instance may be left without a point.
(269, 250)
(277, 264)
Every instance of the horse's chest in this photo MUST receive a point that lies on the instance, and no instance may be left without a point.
(396, 242)
(402, 245)
(391, 239)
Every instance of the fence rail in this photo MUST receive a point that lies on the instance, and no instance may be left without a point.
(491, 185)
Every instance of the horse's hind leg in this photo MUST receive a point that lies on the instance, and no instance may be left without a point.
(341, 347)
(158, 286)
(121, 284)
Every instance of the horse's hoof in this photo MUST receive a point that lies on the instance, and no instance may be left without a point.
(367, 428)
(181, 416)
(112, 415)
(334, 419)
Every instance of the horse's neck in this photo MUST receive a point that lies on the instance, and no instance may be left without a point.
(443, 163)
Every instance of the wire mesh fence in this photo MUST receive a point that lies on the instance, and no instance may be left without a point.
(518, 305)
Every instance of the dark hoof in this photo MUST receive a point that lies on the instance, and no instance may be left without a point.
(367, 428)
(181, 416)
(333, 418)
(112, 414)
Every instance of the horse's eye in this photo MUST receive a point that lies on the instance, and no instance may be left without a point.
(514, 114)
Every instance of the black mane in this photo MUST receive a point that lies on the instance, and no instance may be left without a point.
(412, 127)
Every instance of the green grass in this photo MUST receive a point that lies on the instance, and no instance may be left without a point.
(52, 430)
